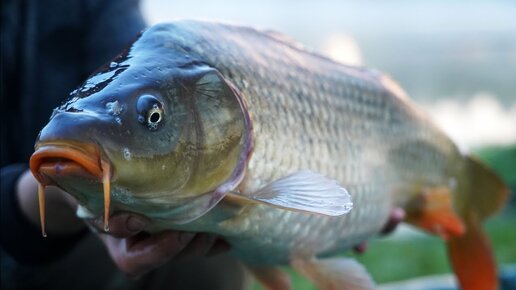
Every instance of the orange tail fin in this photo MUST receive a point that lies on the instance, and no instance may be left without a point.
(471, 254)
(472, 259)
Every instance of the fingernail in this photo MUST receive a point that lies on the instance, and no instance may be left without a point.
(186, 237)
(135, 224)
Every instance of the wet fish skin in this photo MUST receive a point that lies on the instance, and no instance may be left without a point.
(309, 112)
(272, 109)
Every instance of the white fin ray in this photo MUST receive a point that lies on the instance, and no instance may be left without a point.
(306, 191)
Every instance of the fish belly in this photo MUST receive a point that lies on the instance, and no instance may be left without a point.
(262, 235)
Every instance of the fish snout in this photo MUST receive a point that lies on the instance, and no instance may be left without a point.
(66, 145)
(67, 155)
(79, 126)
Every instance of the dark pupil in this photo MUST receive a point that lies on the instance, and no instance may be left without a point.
(154, 117)
(149, 110)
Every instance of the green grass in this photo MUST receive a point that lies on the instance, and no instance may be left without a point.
(399, 257)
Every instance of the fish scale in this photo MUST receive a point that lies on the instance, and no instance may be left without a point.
(311, 113)
(246, 134)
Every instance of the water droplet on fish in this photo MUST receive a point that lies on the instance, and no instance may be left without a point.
(113, 64)
(127, 154)
(86, 87)
(114, 108)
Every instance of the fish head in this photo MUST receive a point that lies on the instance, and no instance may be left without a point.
(168, 133)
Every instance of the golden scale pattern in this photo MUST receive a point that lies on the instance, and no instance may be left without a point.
(309, 113)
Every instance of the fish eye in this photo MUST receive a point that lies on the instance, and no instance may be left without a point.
(154, 116)
(150, 111)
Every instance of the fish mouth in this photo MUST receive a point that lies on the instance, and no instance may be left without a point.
(63, 159)
(52, 160)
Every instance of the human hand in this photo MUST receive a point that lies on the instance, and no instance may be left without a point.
(136, 252)
(133, 251)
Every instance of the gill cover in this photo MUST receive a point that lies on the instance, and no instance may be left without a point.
(198, 153)
(216, 143)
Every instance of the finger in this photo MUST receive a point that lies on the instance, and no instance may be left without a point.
(126, 225)
(141, 253)
(219, 247)
(397, 215)
(198, 247)
(121, 225)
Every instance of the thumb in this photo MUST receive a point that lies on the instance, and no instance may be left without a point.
(123, 225)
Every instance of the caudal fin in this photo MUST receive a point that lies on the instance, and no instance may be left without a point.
(471, 255)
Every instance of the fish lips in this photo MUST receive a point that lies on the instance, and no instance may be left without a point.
(54, 160)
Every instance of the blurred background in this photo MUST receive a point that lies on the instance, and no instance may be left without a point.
(455, 59)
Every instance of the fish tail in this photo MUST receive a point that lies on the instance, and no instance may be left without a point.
(470, 253)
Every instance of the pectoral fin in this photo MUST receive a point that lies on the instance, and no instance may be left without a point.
(335, 274)
(305, 191)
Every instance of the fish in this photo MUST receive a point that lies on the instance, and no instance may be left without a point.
(291, 157)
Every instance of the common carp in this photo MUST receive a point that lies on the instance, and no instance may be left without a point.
(290, 156)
